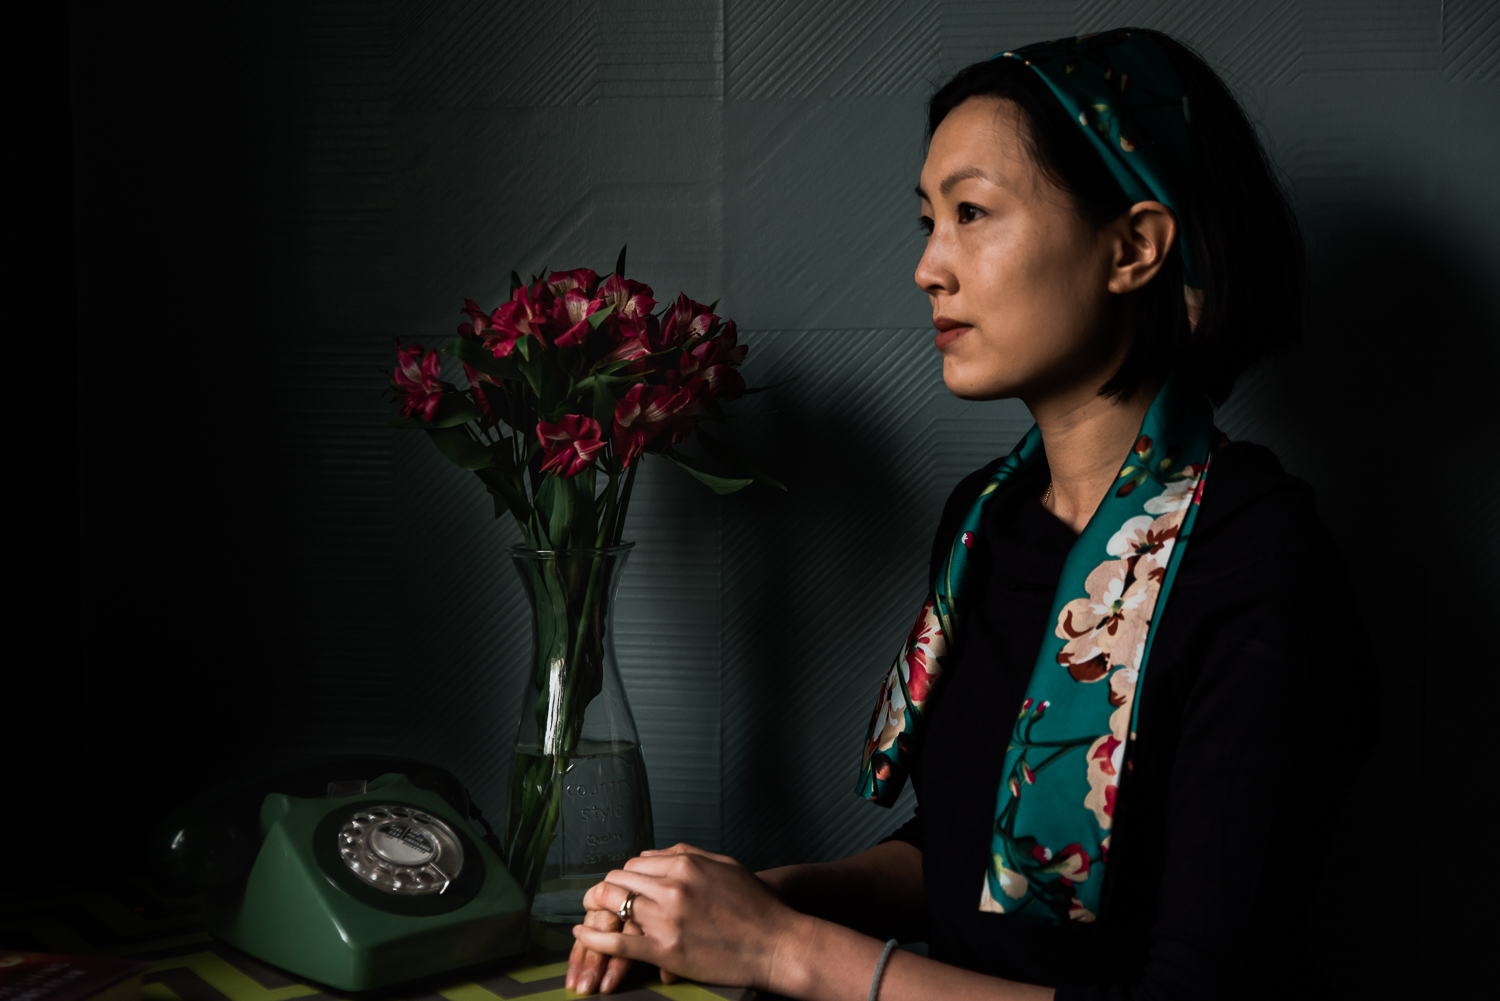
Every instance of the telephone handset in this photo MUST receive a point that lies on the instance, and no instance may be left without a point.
(357, 872)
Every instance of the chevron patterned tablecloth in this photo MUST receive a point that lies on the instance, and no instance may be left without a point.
(126, 919)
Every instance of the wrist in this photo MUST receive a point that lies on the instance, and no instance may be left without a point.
(798, 886)
(789, 970)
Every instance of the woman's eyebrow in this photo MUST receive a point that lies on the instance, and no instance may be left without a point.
(962, 174)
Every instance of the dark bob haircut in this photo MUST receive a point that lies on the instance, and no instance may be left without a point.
(1241, 227)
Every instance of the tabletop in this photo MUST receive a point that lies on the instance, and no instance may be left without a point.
(125, 918)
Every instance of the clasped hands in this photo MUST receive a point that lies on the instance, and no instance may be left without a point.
(696, 914)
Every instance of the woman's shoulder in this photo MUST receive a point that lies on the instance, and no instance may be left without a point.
(1260, 568)
(1254, 512)
(967, 491)
(959, 501)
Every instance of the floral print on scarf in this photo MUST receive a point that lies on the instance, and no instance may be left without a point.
(1069, 746)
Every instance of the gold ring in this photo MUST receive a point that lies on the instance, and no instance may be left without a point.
(624, 912)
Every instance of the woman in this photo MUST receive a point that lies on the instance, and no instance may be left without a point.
(1107, 243)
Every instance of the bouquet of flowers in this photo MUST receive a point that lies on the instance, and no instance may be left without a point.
(570, 384)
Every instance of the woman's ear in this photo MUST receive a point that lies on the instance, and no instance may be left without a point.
(1142, 238)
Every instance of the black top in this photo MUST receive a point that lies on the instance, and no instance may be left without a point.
(1255, 708)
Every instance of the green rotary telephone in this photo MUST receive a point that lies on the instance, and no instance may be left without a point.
(356, 872)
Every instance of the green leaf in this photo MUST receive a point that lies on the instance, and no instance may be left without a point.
(620, 262)
(766, 389)
(533, 366)
(501, 507)
(586, 515)
(561, 516)
(452, 410)
(504, 481)
(604, 405)
(724, 453)
(515, 282)
(554, 505)
(552, 386)
(543, 505)
(460, 449)
(598, 316)
(475, 356)
(718, 484)
(589, 382)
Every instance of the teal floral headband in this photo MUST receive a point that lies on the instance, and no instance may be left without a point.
(1123, 89)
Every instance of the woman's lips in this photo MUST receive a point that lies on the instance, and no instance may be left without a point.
(947, 337)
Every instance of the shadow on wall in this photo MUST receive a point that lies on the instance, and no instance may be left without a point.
(1383, 410)
(813, 585)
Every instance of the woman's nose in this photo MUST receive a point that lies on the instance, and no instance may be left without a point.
(934, 271)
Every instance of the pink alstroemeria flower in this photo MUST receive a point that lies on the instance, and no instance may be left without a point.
(628, 348)
(631, 327)
(572, 312)
(479, 322)
(699, 393)
(646, 412)
(699, 358)
(571, 444)
(477, 381)
(417, 377)
(632, 300)
(582, 279)
(724, 381)
(685, 321)
(716, 360)
(526, 315)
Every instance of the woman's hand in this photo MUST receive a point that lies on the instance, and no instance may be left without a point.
(588, 969)
(698, 914)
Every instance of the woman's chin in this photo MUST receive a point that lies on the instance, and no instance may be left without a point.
(966, 384)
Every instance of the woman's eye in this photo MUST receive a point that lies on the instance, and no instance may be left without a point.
(925, 225)
(968, 213)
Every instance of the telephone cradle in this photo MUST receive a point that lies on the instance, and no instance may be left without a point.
(384, 885)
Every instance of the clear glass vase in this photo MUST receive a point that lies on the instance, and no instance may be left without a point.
(579, 803)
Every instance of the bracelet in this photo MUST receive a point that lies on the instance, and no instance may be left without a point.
(885, 954)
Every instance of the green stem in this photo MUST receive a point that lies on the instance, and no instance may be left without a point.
(619, 526)
(606, 523)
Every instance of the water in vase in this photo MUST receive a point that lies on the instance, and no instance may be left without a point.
(604, 819)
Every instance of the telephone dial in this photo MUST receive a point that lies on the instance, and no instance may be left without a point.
(356, 872)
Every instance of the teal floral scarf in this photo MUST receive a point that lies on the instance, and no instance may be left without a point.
(1067, 750)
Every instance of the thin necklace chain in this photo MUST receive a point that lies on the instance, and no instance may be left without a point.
(1047, 497)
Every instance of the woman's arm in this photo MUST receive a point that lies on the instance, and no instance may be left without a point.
(878, 892)
(713, 920)
(824, 961)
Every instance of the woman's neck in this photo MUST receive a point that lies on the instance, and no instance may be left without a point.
(1086, 437)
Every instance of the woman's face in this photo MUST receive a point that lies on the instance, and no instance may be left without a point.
(1019, 282)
